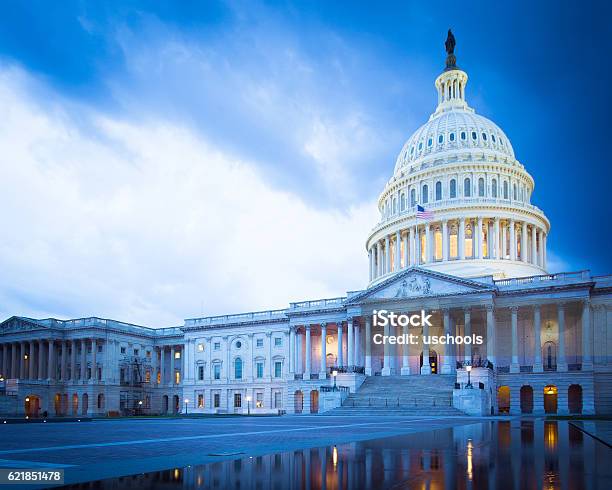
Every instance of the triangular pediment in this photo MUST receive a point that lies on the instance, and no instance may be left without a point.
(418, 283)
(18, 324)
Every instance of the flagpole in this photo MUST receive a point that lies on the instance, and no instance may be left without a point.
(417, 237)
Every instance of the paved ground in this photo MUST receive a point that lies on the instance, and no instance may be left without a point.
(110, 448)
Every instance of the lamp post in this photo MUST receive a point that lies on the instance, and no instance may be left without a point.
(139, 407)
(186, 405)
(334, 374)
(248, 398)
(469, 370)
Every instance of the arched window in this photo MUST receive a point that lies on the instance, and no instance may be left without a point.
(469, 242)
(403, 201)
(514, 195)
(481, 187)
(474, 135)
(484, 136)
(438, 191)
(467, 188)
(394, 205)
(494, 187)
(412, 197)
(238, 368)
(493, 138)
(441, 139)
(420, 146)
(429, 142)
(425, 194)
(463, 135)
(505, 189)
(453, 188)
(451, 137)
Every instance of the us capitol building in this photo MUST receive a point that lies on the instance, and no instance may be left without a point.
(476, 259)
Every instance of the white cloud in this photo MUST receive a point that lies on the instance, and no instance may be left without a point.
(144, 222)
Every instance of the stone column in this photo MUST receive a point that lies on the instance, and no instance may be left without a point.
(430, 243)
(540, 256)
(414, 258)
(387, 256)
(544, 251)
(461, 239)
(172, 367)
(162, 365)
(425, 368)
(340, 342)
(41, 360)
(445, 240)
(405, 370)
(386, 370)
(31, 361)
(480, 242)
(534, 246)
(300, 361)
(350, 351)
(398, 251)
(291, 351)
(561, 361)
(406, 253)
(512, 240)
(496, 254)
(357, 337)
(587, 341)
(323, 366)
(308, 358)
(524, 242)
(504, 245)
(467, 331)
(537, 340)
(368, 346)
(491, 335)
(370, 262)
(50, 361)
(446, 352)
(22, 361)
(83, 360)
(73, 371)
(514, 366)
(63, 361)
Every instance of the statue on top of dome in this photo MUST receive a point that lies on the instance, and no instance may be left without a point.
(449, 44)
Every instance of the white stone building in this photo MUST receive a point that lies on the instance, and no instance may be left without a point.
(477, 263)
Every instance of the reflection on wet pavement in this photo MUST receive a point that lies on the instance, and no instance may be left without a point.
(516, 454)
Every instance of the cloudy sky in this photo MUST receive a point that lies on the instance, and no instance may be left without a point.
(164, 160)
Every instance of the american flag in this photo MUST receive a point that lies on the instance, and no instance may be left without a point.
(423, 214)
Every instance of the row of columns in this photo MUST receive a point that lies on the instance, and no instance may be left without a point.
(39, 359)
(405, 245)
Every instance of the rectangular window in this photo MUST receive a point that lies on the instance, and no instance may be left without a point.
(200, 373)
(122, 350)
(200, 401)
(148, 354)
(99, 373)
(278, 369)
(278, 341)
(278, 401)
(237, 400)
(259, 399)
(177, 354)
(148, 377)
(217, 371)
(259, 342)
(260, 368)
(100, 348)
(200, 347)
(177, 377)
(159, 377)
(122, 375)
(88, 373)
(216, 400)
(136, 352)
(217, 346)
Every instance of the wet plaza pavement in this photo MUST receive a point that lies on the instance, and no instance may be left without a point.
(315, 452)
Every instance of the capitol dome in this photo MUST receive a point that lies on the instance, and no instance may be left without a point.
(473, 198)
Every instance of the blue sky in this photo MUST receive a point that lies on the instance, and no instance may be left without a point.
(168, 159)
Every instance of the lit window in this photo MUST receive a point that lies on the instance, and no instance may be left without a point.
(259, 399)
(177, 377)
(158, 377)
(259, 369)
(278, 369)
(453, 250)
(148, 377)
(200, 347)
(177, 354)
(438, 244)
(200, 401)
(259, 342)
(278, 341)
(423, 250)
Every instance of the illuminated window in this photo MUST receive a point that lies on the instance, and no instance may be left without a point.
(148, 377)
(259, 399)
(485, 241)
(200, 401)
(177, 354)
(158, 377)
(200, 347)
(438, 244)
(469, 251)
(454, 253)
(177, 377)
(423, 257)
(402, 254)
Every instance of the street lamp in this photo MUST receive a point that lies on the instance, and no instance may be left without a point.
(186, 405)
(334, 374)
(248, 398)
(469, 383)
(139, 406)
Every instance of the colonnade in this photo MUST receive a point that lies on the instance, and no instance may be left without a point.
(440, 241)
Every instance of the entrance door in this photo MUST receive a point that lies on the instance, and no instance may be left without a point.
(550, 399)
(31, 406)
(314, 401)
(433, 361)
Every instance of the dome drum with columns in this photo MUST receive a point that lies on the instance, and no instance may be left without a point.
(461, 167)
